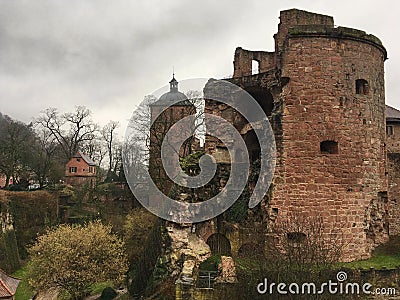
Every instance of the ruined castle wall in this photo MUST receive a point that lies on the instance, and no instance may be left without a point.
(328, 116)
(342, 180)
(393, 166)
(393, 140)
(295, 17)
(393, 169)
(242, 63)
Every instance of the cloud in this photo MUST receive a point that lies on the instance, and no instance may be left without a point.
(108, 54)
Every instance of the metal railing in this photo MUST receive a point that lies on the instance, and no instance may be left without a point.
(206, 279)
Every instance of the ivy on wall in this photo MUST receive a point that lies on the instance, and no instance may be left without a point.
(9, 258)
(32, 213)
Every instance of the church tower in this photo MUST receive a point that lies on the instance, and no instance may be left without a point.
(165, 112)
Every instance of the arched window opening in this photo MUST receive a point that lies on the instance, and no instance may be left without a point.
(329, 147)
(255, 67)
(362, 87)
(219, 244)
(253, 145)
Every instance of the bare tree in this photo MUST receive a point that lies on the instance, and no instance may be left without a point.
(303, 243)
(134, 163)
(109, 135)
(43, 155)
(117, 157)
(70, 130)
(197, 100)
(139, 124)
(95, 149)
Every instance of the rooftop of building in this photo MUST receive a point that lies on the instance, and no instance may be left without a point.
(8, 285)
(86, 158)
(392, 114)
(174, 97)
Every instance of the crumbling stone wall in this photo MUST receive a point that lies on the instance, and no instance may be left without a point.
(243, 61)
(326, 88)
(393, 141)
(294, 17)
(394, 193)
(393, 169)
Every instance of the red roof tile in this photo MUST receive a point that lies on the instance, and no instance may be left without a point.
(8, 285)
(86, 158)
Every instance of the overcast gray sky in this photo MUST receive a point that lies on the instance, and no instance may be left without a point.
(107, 55)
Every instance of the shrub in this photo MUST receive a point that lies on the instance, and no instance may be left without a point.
(108, 293)
(74, 257)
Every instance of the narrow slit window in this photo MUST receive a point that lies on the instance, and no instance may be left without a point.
(362, 87)
(389, 130)
(255, 67)
(329, 147)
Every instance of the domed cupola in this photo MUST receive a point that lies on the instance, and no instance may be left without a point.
(173, 95)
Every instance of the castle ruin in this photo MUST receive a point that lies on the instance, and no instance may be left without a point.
(322, 90)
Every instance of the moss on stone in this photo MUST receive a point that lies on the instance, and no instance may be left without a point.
(339, 32)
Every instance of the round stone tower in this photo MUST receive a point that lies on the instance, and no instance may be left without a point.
(323, 92)
(333, 130)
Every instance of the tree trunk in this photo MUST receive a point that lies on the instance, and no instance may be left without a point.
(7, 181)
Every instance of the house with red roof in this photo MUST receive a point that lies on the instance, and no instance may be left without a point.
(80, 170)
(8, 286)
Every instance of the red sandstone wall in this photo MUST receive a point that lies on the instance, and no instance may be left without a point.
(393, 163)
(393, 141)
(242, 63)
(295, 17)
(394, 193)
(315, 99)
(320, 103)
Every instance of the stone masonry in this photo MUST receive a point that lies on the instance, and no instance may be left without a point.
(393, 165)
(323, 92)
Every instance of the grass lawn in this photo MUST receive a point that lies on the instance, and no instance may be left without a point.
(24, 291)
(386, 255)
(377, 261)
